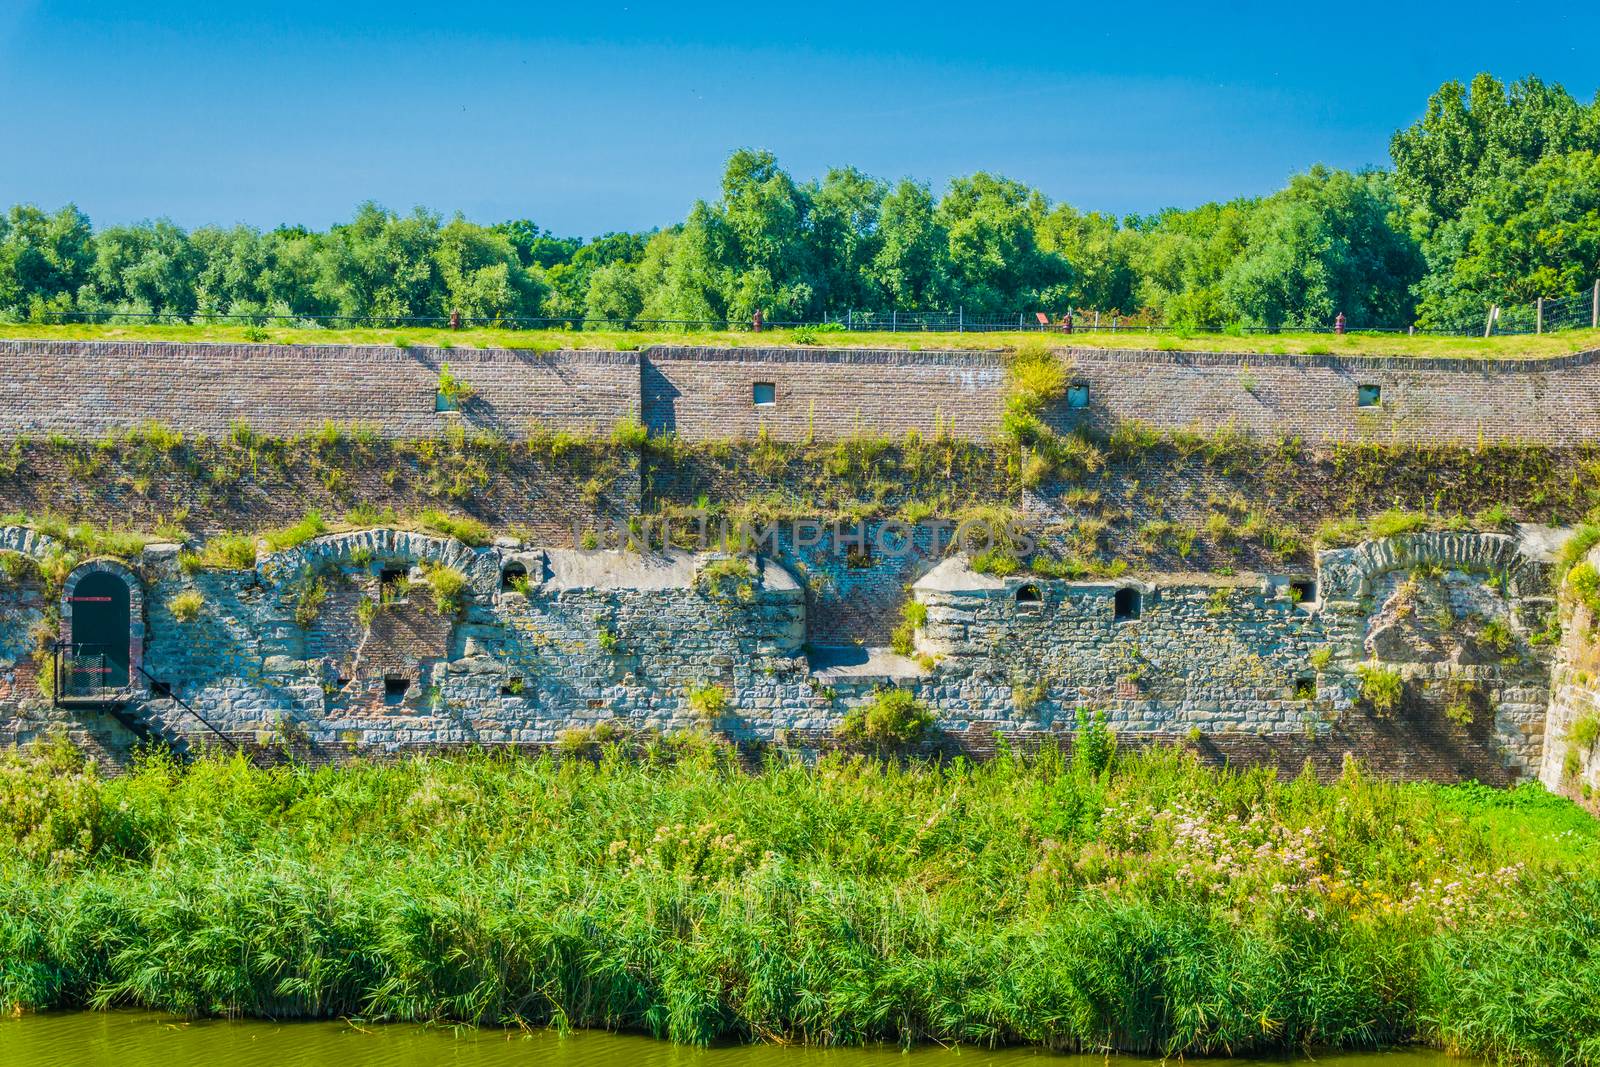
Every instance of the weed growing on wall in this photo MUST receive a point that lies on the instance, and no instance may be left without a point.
(893, 718)
(1382, 688)
(187, 605)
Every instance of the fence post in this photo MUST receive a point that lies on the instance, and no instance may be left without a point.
(894, 320)
(961, 318)
(1538, 315)
(1594, 310)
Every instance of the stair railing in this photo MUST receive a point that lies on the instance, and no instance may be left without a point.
(166, 693)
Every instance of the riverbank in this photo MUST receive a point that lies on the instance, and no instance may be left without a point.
(1507, 346)
(1156, 906)
(141, 1039)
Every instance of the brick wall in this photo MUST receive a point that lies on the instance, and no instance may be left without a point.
(1437, 401)
(705, 393)
(84, 388)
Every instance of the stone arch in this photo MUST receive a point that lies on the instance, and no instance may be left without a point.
(1352, 573)
(481, 567)
(92, 600)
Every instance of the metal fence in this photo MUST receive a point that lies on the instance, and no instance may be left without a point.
(1581, 310)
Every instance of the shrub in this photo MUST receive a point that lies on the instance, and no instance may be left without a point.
(1497, 635)
(1585, 732)
(1381, 687)
(629, 433)
(449, 588)
(1038, 379)
(1321, 657)
(708, 701)
(185, 607)
(996, 561)
(893, 718)
(15, 566)
(313, 590)
(913, 615)
(454, 391)
(1094, 743)
(1585, 583)
(731, 578)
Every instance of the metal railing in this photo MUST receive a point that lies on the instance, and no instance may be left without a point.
(89, 673)
(1545, 314)
(83, 672)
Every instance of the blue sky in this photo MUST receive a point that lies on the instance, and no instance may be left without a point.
(607, 115)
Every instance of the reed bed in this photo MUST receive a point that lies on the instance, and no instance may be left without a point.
(1157, 906)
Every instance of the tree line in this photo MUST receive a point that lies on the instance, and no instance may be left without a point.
(1492, 197)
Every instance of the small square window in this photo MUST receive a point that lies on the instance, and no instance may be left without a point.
(1126, 605)
(1077, 396)
(395, 688)
(1369, 396)
(765, 394)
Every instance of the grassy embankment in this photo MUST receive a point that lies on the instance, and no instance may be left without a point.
(1374, 344)
(1154, 906)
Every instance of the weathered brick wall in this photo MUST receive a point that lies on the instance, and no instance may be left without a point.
(84, 388)
(708, 393)
(1461, 401)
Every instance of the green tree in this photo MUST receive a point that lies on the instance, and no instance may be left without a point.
(995, 259)
(44, 259)
(482, 274)
(1467, 141)
(1331, 242)
(1182, 257)
(1102, 255)
(768, 253)
(381, 266)
(146, 268)
(911, 266)
(1533, 234)
(845, 238)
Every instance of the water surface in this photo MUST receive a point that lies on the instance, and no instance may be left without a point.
(138, 1039)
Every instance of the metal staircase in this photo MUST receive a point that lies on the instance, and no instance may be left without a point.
(85, 678)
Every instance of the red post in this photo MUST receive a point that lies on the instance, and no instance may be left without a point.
(1338, 323)
(755, 321)
(455, 320)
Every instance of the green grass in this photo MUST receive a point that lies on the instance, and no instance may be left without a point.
(1153, 906)
(1514, 347)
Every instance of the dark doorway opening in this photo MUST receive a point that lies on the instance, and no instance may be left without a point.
(102, 623)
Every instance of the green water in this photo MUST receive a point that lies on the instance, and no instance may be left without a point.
(135, 1039)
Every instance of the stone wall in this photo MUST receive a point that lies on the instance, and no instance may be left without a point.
(84, 388)
(1216, 656)
(547, 640)
(1571, 759)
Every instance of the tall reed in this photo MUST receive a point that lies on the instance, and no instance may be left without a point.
(1158, 906)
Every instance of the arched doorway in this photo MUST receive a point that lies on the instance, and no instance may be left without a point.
(102, 623)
